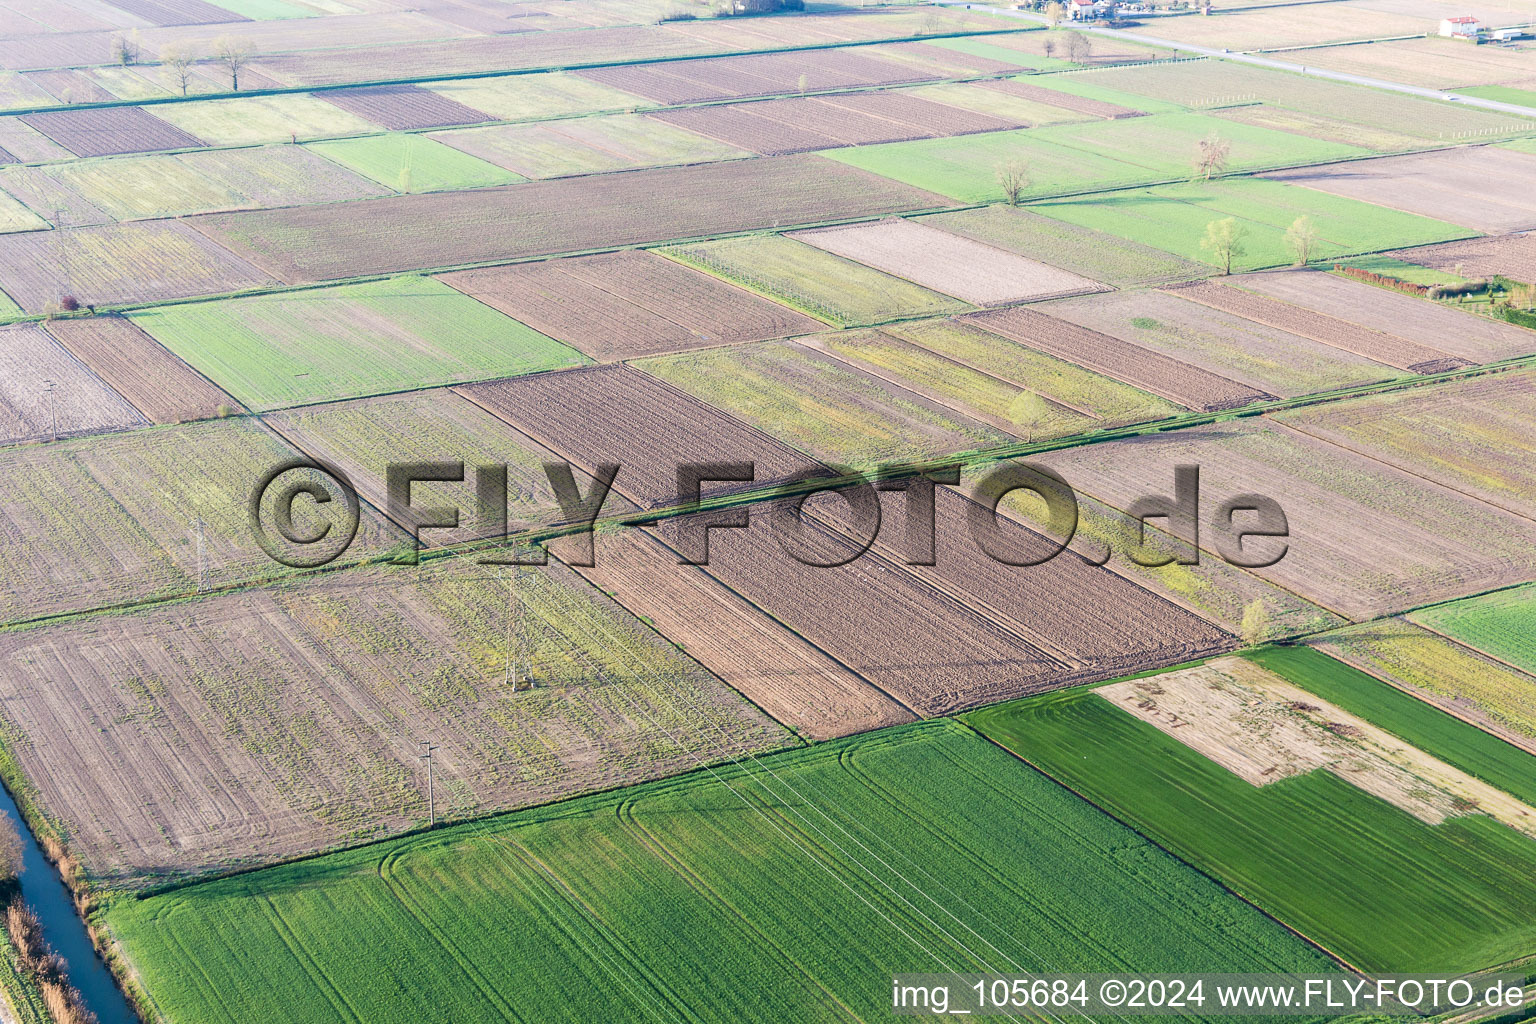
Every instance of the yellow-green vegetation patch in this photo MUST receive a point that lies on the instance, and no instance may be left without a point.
(824, 408)
(174, 185)
(292, 348)
(710, 877)
(252, 120)
(839, 291)
(1502, 625)
(587, 145)
(17, 92)
(409, 162)
(536, 97)
(1411, 656)
(14, 216)
(970, 96)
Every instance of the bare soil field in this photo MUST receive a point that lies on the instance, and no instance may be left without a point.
(250, 727)
(163, 13)
(1479, 339)
(1366, 539)
(774, 667)
(826, 122)
(1432, 62)
(587, 145)
(364, 437)
(945, 61)
(1511, 255)
(46, 392)
(404, 107)
(948, 263)
(1369, 342)
(629, 303)
(478, 55)
(1259, 356)
(542, 218)
(119, 263)
(766, 74)
(70, 87)
(1065, 100)
(616, 414)
(108, 131)
(159, 385)
(1471, 435)
(1141, 367)
(1478, 186)
(1291, 26)
(24, 142)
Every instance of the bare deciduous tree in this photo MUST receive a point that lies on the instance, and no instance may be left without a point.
(1211, 156)
(176, 60)
(234, 54)
(1013, 179)
(1078, 47)
(1054, 12)
(126, 49)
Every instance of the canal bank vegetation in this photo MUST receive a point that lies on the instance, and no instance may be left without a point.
(33, 978)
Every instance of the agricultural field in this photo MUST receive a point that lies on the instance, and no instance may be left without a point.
(948, 263)
(14, 216)
(45, 392)
(1369, 343)
(174, 185)
(405, 107)
(1432, 62)
(446, 229)
(112, 520)
(1072, 158)
(1286, 26)
(160, 386)
(535, 97)
(257, 120)
(1475, 186)
(1091, 254)
(773, 667)
(1465, 683)
(1498, 624)
(1511, 255)
(629, 303)
(1259, 811)
(366, 436)
(1265, 358)
(1365, 539)
(984, 97)
(1331, 129)
(528, 884)
(208, 769)
(1063, 383)
(1475, 338)
(763, 74)
(586, 145)
(807, 278)
(1175, 218)
(1125, 361)
(116, 264)
(292, 348)
(822, 406)
(413, 163)
(1470, 435)
(108, 130)
(616, 414)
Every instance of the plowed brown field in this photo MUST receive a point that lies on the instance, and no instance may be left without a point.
(162, 387)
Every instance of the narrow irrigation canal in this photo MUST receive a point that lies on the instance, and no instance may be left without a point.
(46, 894)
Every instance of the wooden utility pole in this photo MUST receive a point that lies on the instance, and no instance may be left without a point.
(431, 796)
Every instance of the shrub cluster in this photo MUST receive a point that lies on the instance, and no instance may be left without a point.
(1396, 283)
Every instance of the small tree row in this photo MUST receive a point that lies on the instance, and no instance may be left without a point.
(178, 60)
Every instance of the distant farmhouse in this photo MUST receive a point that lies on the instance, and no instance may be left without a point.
(1459, 28)
(1088, 10)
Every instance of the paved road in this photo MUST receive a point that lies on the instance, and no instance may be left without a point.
(1268, 62)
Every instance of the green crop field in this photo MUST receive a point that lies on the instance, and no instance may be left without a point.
(1502, 93)
(787, 888)
(14, 216)
(1070, 158)
(827, 410)
(1502, 624)
(839, 291)
(1410, 655)
(292, 348)
(1175, 217)
(266, 10)
(413, 163)
(1372, 883)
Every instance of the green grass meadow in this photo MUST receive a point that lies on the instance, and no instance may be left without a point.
(1082, 157)
(786, 889)
(293, 348)
(408, 162)
(1174, 218)
(1502, 625)
(1368, 881)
